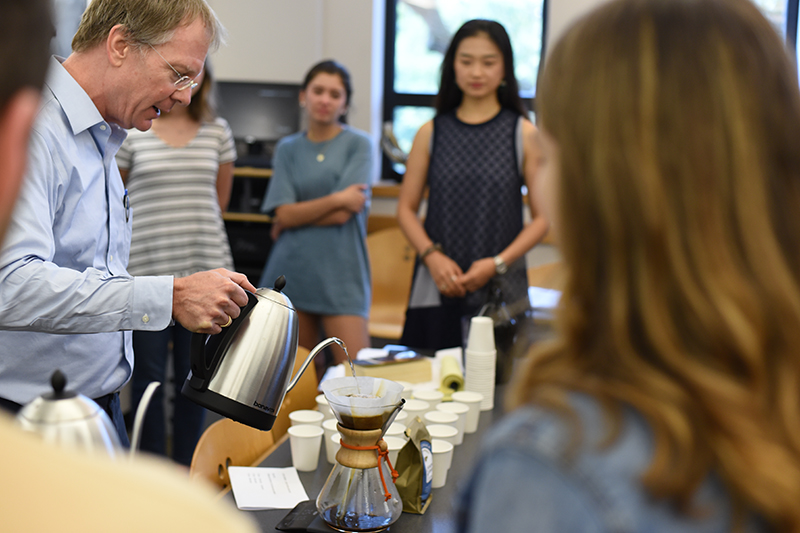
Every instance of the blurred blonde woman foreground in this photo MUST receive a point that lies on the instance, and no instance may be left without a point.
(670, 400)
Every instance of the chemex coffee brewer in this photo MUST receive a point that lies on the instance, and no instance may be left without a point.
(359, 494)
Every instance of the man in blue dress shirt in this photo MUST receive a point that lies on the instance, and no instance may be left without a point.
(66, 299)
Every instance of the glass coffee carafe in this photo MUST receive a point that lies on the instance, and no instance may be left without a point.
(359, 494)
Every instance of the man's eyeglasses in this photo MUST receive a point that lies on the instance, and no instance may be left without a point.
(183, 82)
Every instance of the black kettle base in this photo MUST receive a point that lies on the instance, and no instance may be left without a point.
(244, 414)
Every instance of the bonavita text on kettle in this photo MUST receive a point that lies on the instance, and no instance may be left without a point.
(264, 407)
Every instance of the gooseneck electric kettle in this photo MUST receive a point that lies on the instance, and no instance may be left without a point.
(244, 372)
(69, 419)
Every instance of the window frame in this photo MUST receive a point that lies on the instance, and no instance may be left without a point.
(392, 99)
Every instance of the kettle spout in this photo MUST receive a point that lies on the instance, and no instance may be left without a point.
(318, 348)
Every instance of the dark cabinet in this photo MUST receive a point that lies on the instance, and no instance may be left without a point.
(248, 230)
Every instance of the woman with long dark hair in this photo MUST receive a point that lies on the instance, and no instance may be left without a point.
(474, 157)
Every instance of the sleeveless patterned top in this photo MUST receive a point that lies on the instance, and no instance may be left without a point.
(475, 197)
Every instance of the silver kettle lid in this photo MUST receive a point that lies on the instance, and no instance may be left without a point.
(66, 417)
(275, 293)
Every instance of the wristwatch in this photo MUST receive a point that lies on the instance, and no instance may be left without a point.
(500, 266)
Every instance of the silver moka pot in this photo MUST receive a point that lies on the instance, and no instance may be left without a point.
(70, 419)
(245, 371)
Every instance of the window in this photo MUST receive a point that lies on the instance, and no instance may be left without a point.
(776, 12)
(417, 35)
(783, 14)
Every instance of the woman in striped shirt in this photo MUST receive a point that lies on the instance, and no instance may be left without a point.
(179, 176)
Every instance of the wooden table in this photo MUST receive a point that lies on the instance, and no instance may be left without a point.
(439, 516)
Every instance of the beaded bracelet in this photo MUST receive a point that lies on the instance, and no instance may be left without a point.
(429, 250)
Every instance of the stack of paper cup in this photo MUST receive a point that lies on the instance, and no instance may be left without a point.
(480, 360)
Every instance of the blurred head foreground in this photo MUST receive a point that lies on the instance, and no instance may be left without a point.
(25, 32)
(677, 201)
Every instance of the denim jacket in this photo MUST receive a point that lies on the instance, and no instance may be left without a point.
(521, 482)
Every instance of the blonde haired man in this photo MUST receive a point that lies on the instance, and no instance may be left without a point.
(66, 299)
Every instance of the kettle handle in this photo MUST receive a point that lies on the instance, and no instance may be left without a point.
(203, 346)
(318, 348)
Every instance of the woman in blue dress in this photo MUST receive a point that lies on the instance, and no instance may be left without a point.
(318, 195)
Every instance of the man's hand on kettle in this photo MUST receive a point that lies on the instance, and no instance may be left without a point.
(206, 302)
(354, 197)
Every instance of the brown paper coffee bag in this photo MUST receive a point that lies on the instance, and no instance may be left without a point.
(415, 468)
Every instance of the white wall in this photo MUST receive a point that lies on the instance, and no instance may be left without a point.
(278, 41)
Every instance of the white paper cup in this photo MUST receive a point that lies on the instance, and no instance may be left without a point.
(324, 407)
(407, 389)
(402, 416)
(443, 432)
(416, 408)
(330, 426)
(481, 334)
(331, 429)
(442, 417)
(433, 397)
(305, 442)
(332, 446)
(394, 444)
(442, 458)
(396, 429)
(473, 401)
(307, 417)
(461, 411)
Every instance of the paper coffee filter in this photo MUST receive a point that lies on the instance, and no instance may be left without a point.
(383, 394)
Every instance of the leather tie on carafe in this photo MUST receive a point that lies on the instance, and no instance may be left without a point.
(382, 449)
(356, 460)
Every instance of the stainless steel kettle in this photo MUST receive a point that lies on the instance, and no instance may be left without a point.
(70, 419)
(245, 371)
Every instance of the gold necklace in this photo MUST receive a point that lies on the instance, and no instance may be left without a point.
(321, 154)
(323, 146)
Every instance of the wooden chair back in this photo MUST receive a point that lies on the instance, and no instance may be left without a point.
(227, 443)
(302, 396)
(391, 260)
(546, 276)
